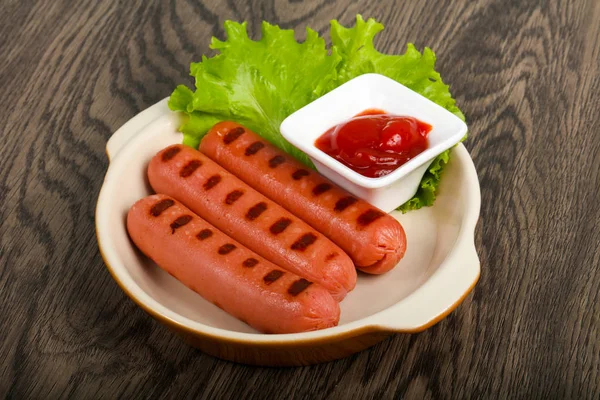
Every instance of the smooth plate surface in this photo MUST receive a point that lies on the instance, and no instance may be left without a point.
(412, 295)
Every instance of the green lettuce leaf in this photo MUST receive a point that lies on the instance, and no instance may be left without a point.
(259, 83)
(255, 83)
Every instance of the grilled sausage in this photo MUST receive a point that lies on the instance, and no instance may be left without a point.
(373, 239)
(225, 272)
(250, 218)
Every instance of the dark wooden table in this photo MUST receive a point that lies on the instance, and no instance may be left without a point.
(527, 77)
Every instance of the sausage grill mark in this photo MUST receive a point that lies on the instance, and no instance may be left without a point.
(161, 206)
(298, 286)
(280, 225)
(169, 154)
(272, 276)
(276, 161)
(233, 197)
(369, 216)
(250, 262)
(189, 168)
(233, 134)
(299, 173)
(204, 234)
(227, 248)
(321, 188)
(212, 182)
(331, 256)
(344, 203)
(255, 211)
(179, 222)
(254, 148)
(304, 241)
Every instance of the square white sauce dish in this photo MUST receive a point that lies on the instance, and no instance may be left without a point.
(373, 92)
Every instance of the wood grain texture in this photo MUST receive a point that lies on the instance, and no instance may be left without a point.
(525, 73)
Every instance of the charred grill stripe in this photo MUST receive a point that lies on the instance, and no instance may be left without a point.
(344, 203)
(280, 225)
(321, 188)
(369, 216)
(254, 148)
(273, 276)
(227, 248)
(299, 174)
(170, 153)
(204, 234)
(212, 182)
(189, 168)
(233, 134)
(161, 206)
(331, 256)
(233, 197)
(276, 161)
(250, 262)
(298, 286)
(179, 222)
(304, 241)
(255, 211)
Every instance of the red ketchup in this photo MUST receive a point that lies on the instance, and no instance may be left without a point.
(375, 143)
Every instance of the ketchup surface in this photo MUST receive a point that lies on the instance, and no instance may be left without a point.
(375, 143)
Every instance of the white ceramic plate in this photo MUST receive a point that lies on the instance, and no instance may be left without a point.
(439, 269)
